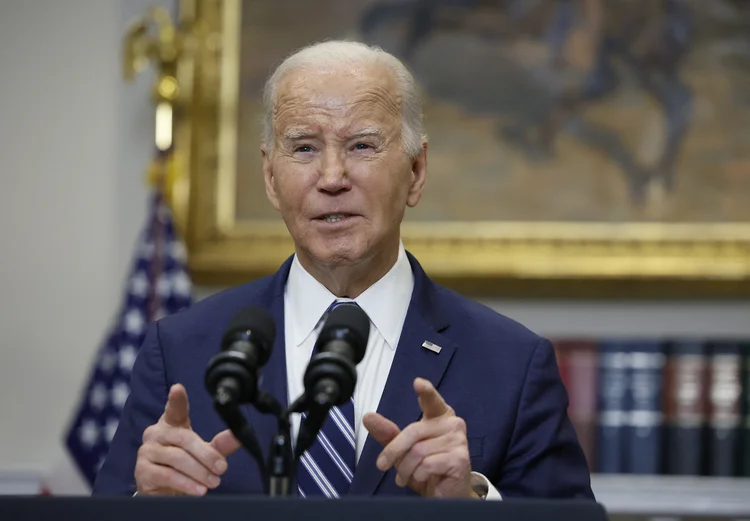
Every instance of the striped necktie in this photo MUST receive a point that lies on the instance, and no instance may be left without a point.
(327, 467)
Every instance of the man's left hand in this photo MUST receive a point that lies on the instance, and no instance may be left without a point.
(431, 456)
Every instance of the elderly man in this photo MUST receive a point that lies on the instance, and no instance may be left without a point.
(452, 399)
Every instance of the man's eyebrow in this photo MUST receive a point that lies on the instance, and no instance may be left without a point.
(295, 134)
(298, 133)
(367, 132)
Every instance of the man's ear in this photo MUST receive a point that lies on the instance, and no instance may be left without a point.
(268, 177)
(418, 177)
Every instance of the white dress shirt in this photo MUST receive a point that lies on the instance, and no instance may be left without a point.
(386, 303)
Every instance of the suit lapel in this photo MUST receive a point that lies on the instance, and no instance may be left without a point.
(273, 377)
(274, 374)
(399, 402)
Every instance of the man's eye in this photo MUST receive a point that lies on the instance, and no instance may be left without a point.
(362, 146)
(303, 148)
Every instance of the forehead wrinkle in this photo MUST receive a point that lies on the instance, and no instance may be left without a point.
(381, 95)
(370, 87)
(306, 106)
(357, 121)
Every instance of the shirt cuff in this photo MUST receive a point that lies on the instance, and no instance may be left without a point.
(483, 488)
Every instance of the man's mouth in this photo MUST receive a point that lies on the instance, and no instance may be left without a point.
(334, 217)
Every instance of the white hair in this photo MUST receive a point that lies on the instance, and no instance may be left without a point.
(334, 53)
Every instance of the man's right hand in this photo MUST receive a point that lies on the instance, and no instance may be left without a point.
(173, 459)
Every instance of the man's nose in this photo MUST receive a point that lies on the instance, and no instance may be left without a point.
(333, 176)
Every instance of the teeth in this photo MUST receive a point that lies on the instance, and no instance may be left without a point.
(334, 218)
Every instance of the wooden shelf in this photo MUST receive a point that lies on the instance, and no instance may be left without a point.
(672, 495)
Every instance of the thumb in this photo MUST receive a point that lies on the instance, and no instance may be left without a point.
(380, 428)
(177, 410)
(225, 443)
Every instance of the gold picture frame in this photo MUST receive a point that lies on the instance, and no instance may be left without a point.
(526, 259)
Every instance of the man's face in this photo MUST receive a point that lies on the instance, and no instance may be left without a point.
(338, 172)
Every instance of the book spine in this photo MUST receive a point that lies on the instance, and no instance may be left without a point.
(725, 405)
(643, 434)
(582, 367)
(686, 407)
(614, 361)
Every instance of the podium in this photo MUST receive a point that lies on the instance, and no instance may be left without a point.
(239, 508)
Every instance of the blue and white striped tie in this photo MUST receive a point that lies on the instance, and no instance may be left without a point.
(327, 467)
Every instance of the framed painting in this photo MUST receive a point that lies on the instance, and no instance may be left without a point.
(577, 147)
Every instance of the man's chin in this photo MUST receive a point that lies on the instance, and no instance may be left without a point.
(338, 258)
(337, 254)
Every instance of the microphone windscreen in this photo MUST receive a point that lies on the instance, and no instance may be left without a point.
(256, 323)
(352, 317)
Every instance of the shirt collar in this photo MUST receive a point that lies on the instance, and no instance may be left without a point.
(385, 302)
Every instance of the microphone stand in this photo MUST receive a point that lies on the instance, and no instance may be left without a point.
(280, 458)
(281, 461)
(277, 473)
(227, 406)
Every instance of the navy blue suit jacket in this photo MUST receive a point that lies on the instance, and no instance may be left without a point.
(499, 377)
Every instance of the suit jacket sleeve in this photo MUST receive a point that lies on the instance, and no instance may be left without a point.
(144, 407)
(544, 458)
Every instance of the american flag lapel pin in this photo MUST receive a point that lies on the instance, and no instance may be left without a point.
(431, 347)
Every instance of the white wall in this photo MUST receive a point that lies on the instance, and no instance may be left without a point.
(58, 156)
(631, 318)
(74, 142)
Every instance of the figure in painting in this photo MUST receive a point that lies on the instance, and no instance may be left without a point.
(651, 44)
(646, 40)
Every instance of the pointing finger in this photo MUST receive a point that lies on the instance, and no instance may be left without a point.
(177, 410)
(430, 401)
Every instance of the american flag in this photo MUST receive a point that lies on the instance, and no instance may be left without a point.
(158, 285)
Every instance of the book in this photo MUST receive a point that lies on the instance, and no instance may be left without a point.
(724, 408)
(613, 367)
(643, 430)
(578, 367)
(685, 407)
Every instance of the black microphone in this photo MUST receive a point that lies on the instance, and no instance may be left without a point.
(232, 375)
(331, 375)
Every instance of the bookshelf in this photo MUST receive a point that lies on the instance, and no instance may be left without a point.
(664, 423)
(660, 407)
